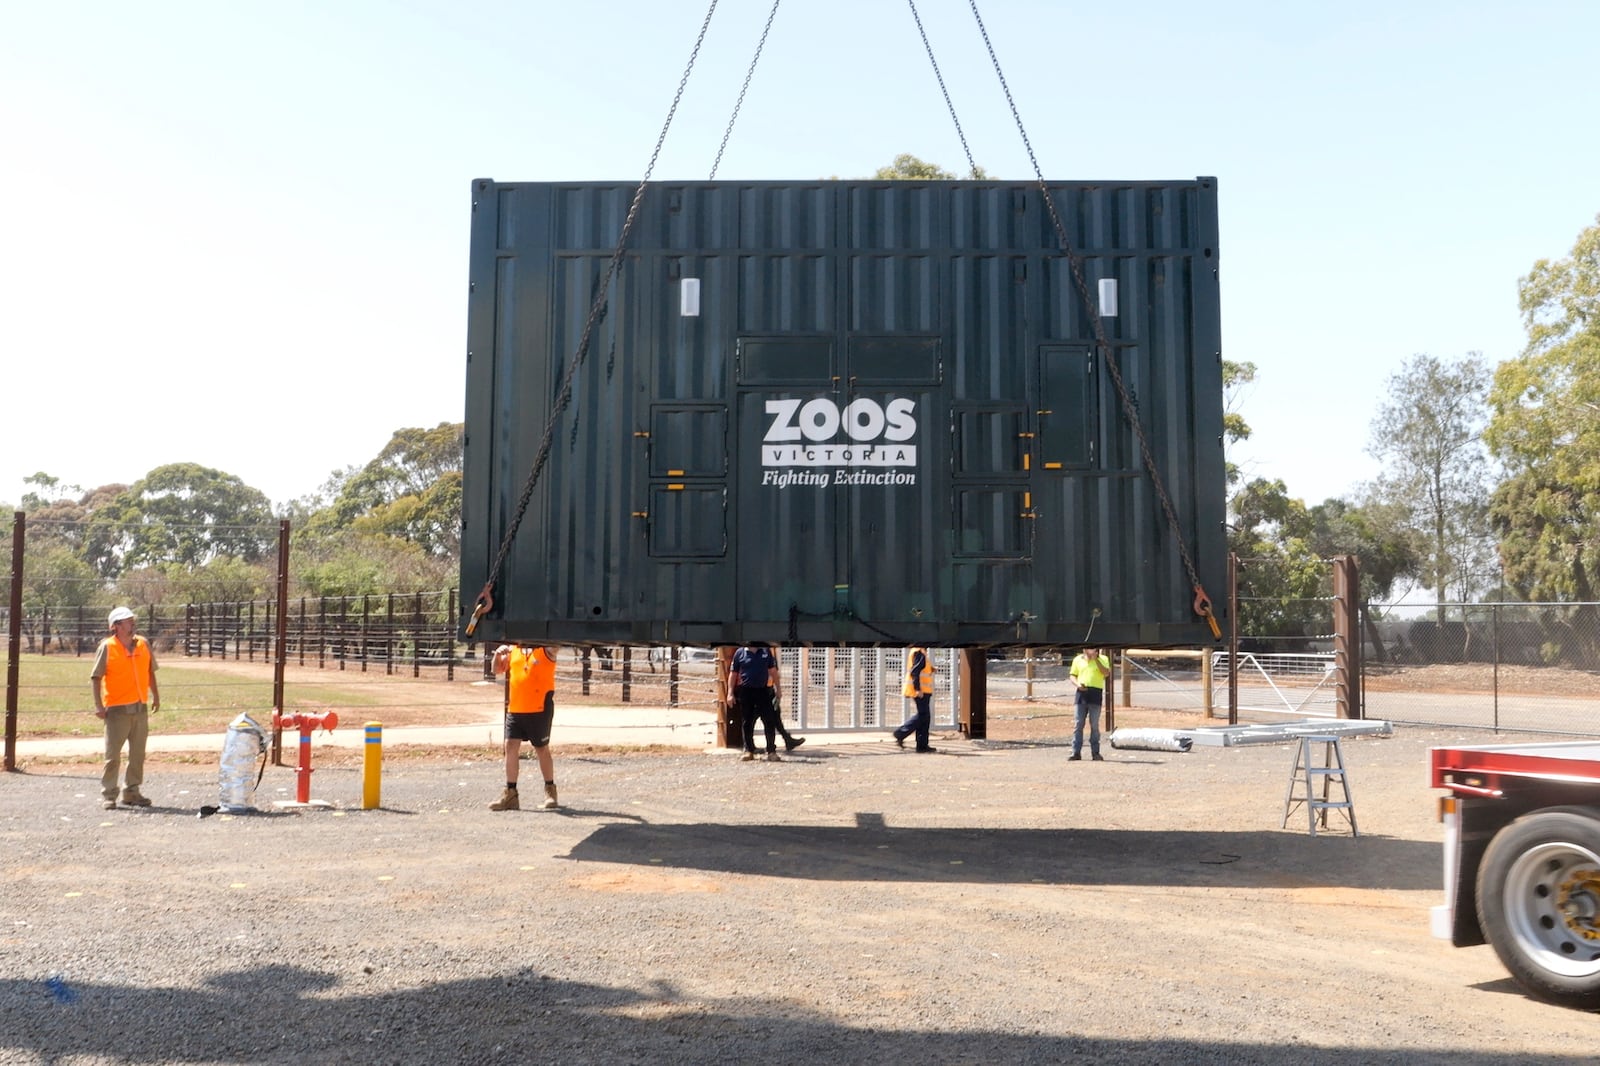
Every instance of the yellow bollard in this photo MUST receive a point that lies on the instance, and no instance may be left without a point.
(372, 766)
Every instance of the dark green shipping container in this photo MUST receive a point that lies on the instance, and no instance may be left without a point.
(844, 412)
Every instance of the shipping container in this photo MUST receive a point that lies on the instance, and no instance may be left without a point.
(844, 413)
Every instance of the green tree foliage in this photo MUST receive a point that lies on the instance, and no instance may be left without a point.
(54, 582)
(907, 167)
(1428, 435)
(1235, 376)
(182, 513)
(46, 490)
(1387, 549)
(56, 577)
(410, 492)
(1545, 429)
(222, 580)
(1284, 550)
(1282, 580)
(369, 564)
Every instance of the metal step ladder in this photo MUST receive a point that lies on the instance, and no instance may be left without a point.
(1330, 774)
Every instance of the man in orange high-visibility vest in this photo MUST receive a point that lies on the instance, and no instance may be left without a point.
(123, 680)
(530, 712)
(918, 688)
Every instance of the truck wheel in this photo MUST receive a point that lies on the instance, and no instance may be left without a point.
(1539, 903)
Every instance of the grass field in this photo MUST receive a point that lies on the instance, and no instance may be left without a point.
(199, 696)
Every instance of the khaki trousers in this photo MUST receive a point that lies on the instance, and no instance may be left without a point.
(128, 724)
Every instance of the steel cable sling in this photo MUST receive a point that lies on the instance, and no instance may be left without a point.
(485, 600)
(1202, 602)
(739, 103)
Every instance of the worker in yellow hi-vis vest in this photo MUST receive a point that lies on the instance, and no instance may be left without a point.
(1090, 671)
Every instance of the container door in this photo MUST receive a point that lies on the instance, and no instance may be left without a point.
(894, 427)
(785, 504)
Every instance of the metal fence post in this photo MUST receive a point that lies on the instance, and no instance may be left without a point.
(450, 639)
(19, 523)
(281, 655)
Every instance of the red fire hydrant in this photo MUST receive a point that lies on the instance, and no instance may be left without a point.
(305, 723)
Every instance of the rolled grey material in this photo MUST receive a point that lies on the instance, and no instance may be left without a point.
(1150, 740)
(241, 749)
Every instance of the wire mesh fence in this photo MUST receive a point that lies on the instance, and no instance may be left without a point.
(1525, 667)
(1501, 666)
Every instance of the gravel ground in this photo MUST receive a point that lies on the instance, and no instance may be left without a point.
(988, 904)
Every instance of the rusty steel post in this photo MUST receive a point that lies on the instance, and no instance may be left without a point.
(282, 635)
(730, 726)
(19, 524)
(450, 640)
(1347, 637)
(974, 689)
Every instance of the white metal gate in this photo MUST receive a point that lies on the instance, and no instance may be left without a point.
(841, 689)
(1280, 683)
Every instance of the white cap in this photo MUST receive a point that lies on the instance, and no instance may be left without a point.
(117, 615)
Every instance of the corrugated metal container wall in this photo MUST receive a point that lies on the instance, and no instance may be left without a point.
(886, 424)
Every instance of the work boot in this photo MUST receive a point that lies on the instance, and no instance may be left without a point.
(508, 801)
(550, 802)
(791, 743)
(131, 797)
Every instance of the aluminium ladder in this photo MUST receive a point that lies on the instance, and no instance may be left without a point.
(1330, 773)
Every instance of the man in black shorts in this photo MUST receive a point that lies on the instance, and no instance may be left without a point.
(530, 712)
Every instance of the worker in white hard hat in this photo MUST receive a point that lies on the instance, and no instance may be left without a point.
(123, 680)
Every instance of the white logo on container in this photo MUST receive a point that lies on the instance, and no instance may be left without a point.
(807, 433)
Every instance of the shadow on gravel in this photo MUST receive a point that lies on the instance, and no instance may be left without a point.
(872, 851)
(281, 1014)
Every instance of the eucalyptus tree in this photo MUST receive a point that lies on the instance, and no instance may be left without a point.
(1428, 434)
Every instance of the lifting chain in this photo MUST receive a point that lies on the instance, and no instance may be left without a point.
(485, 601)
(972, 168)
(1202, 602)
(739, 103)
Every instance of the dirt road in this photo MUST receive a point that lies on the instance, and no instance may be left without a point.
(991, 903)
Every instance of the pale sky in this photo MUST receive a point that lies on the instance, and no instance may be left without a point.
(235, 232)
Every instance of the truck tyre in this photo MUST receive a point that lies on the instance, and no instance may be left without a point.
(1539, 903)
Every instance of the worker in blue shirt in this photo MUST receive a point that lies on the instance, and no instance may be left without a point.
(756, 684)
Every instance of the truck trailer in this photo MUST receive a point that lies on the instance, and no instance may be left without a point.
(1522, 861)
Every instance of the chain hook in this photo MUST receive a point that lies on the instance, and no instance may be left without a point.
(1202, 607)
(484, 605)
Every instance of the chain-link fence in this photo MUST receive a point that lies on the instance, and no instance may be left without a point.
(1506, 666)
(1525, 667)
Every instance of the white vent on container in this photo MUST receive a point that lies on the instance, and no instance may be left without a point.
(1108, 297)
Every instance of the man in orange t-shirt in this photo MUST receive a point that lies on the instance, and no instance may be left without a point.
(530, 712)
